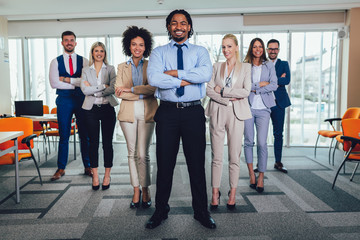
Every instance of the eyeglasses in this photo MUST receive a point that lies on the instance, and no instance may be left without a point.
(273, 49)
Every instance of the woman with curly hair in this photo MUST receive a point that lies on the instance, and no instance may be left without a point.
(137, 109)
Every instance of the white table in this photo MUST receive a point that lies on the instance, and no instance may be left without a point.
(4, 137)
(50, 118)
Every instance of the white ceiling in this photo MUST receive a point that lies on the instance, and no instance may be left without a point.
(68, 9)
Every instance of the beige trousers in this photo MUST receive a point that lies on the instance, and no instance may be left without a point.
(224, 121)
(138, 138)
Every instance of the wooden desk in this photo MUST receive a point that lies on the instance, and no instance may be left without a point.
(4, 137)
(50, 118)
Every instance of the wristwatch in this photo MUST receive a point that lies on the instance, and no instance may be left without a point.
(222, 91)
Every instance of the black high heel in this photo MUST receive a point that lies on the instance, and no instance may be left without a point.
(213, 207)
(104, 187)
(137, 204)
(146, 204)
(253, 185)
(260, 189)
(95, 188)
(230, 206)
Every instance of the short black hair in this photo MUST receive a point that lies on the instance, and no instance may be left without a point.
(67, 33)
(132, 32)
(273, 41)
(188, 18)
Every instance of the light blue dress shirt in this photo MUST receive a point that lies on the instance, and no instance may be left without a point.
(137, 74)
(197, 70)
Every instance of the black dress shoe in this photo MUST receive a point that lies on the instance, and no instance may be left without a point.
(157, 218)
(146, 204)
(257, 168)
(137, 204)
(213, 207)
(95, 188)
(205, 219)
(279, 166)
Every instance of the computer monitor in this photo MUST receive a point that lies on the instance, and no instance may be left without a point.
(33, 108)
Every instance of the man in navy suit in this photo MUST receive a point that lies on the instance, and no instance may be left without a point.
(282, 101)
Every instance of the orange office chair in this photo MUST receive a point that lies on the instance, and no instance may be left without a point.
(54, 128)
(351, 145)
(25, 142)
(350, 113)
(39, 129)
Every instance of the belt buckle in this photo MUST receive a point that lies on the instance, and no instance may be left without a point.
(179, 105)
(98, 105)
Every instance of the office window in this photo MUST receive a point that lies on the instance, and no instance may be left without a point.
(314, 84)
(16, 71)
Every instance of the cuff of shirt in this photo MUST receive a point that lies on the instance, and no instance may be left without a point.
(181, 74)
(141, 96)
(132, 89)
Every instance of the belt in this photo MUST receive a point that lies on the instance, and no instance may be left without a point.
(100, 105)
(181, 104)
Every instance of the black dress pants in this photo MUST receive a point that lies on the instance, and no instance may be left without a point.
(104, 115)
(188, 124)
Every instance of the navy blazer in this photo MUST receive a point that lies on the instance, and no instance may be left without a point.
(281, 95)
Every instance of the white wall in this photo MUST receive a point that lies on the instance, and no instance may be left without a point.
(5, 96)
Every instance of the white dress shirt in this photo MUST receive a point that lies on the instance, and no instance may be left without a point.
(54, 72)
(257, 101)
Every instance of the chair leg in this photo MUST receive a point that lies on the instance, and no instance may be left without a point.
(331, 143)
(333, 156)
(341, 165)
(355, 169)
(36, 165)
(316, 145)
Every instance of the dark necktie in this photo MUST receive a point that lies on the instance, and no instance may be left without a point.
(180, 66)
(71, 66)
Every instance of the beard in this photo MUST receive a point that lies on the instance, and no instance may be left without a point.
(272, 57)
(178, 39)
(69, 49)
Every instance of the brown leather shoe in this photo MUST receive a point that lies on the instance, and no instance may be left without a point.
(88, 171)
(58, 174)
(279, 166)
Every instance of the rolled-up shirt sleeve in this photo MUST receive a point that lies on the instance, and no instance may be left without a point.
(54, 77)
(202, 72)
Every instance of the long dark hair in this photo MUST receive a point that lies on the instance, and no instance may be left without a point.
(250, 56)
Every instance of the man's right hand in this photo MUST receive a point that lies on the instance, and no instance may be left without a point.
(184, 83)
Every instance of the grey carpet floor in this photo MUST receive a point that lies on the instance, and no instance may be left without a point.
(297, 205)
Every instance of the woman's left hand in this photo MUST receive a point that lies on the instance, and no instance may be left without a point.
(263, 84)
(120, 90)
(235, 99)
(217, 89)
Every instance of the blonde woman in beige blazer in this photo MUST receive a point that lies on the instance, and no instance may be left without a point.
(137, 109)
(228, 108)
